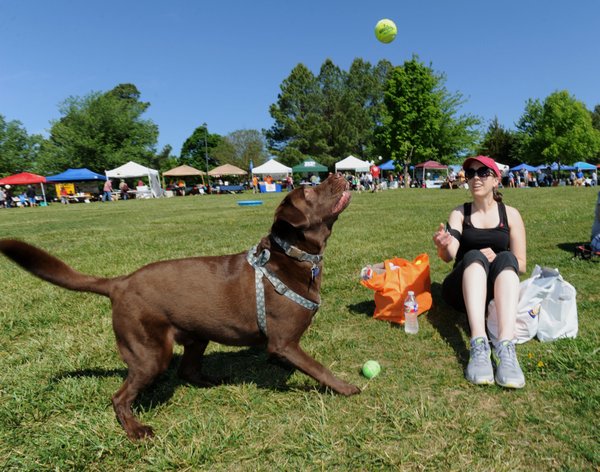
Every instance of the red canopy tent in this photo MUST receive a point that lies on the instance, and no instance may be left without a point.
(25, 178)
(430, 165)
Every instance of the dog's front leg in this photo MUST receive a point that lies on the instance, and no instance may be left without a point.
(294, 354)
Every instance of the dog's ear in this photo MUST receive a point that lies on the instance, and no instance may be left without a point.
(293, 209)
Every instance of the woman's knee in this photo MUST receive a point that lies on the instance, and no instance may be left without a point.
(476, 256)
(505, 260)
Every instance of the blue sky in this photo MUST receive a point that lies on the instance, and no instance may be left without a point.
(223, 62)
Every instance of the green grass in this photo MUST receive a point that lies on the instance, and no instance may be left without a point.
(59, 365)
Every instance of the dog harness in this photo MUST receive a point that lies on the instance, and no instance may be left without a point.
(259, 261)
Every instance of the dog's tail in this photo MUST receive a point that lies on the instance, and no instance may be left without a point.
(51, 269)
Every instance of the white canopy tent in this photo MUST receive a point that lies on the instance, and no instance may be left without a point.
(132, 170)
(273, 168)
(352, 163)
(503, 168)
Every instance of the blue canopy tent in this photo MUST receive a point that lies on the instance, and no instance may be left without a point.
(584, 166)
(389, 165)
(76, 175)
(554, 166)
(527, 167)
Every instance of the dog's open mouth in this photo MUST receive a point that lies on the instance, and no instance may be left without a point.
(342, 203)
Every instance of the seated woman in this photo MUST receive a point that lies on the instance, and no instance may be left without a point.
(486, 239)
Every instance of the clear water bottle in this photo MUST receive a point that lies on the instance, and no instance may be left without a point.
(411, 309)
(366, 273)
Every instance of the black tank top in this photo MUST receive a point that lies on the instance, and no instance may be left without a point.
(498, 238)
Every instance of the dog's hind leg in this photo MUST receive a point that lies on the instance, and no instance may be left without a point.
(146, 361)
(190, 367)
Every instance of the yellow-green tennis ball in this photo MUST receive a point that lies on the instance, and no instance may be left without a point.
(370, 369)
(385, 30)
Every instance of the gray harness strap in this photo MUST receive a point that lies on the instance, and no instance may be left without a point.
(260, 271)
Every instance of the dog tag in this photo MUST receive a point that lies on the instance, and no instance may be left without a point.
(314, 272)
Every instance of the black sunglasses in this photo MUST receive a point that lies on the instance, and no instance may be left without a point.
(482, 173)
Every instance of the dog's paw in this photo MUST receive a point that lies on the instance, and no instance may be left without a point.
(139, 432)
(348, 389)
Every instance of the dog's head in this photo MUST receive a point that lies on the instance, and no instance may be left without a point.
(306, 215)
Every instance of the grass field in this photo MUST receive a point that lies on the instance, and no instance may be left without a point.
(59, 365)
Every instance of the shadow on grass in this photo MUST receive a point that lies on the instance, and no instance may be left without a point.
(451, 324)
(247, 366)
(570, 247)
(365, 308)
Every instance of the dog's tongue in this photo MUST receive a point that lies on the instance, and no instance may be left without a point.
(342, 202)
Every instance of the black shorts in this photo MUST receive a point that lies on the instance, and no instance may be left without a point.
(452, 291)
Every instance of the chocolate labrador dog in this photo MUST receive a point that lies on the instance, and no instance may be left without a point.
(266, 295)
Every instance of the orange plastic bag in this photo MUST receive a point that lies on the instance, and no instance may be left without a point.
(392, 286)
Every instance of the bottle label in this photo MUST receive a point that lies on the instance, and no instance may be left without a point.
(411, 308)
(366, 273)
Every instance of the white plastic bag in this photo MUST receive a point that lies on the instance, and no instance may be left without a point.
(546, 308)
(558, 313)
(531, 293)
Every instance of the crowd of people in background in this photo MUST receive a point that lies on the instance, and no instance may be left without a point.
(26, 198)
(545, 178)
(373, 180)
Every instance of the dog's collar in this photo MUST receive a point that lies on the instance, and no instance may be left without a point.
(258, 261)
(295, 252)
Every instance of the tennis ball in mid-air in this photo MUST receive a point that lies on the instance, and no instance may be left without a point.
(385, 30)
(370, 369)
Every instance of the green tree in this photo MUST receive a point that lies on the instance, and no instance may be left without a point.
(296, 131)
(246, 145)
(421, 122)
(332, 136)
(596, 117)
(18, 150)
(596, 125)
(365, 90)
(328, 116)
(224, 152)
(100, 131)
(164, 161)
(498, 143)
(558, 130)
(200, 145)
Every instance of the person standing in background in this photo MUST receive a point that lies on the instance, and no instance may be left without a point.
(107, 195)
(31, 196)
(124, 188)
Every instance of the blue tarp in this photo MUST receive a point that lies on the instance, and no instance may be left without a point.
(75, 175)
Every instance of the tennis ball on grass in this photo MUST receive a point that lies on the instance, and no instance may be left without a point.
(370, 369)
(385, 30)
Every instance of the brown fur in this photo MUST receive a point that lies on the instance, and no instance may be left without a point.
(200, 299)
